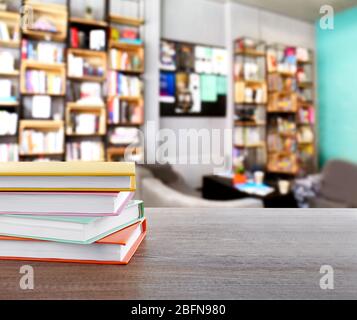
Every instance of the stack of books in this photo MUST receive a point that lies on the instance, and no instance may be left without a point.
(69, 212)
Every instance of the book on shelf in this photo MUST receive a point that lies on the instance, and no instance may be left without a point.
(6, 90)
(126, 60)
(126, 35)
(8, 33)
(249, 71)
(97, 40)
(91, 40)
(79, 230)
(85, 151)
(41, 142)
(67, 176)
(9, 152)
(123, 85)
(305, 135)
(281, 144)
(84, 123)
(303, 54)
(116, 249)
(124, 112)
(7, 62)
(306, 115)
(42, 82)
(8, 123)
(45, 52)
(41, 107)
(124, 136)
(250, 94)
(248, 136)
(79, 67)
(68, 203)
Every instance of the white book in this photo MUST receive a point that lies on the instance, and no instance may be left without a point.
(83, 230)
(41, 107)
(63, 203)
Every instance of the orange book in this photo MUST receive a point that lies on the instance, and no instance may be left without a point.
(115, 249)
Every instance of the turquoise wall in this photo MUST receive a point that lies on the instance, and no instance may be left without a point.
(337, 88)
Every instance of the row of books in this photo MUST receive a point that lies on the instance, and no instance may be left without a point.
(85, 151)
(305, 135)
(125, 34)
(282, 60)
(248, 136)
(125, 60)
(278, 83)
(306, 115)
(255, 114)
(92, 40)
(8, 123)
(79, 67)
(39, 142)
(8, 34)
(84, 123)
(122, 85)
(46, 52)
(249, 71)
(88, 217)
(41, 82)
(279, 144)
(7, 90)
(9, 152)
(247, 94)
(7, 62)
(122, 112)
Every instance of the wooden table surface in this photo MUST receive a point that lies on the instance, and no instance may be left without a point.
(213, 254)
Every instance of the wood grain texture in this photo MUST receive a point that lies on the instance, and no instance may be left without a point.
(213, 254)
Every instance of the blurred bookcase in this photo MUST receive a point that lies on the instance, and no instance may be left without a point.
(250, 100)
(57, 61)
(274, 110)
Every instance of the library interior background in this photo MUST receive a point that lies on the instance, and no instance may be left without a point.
(267, 89)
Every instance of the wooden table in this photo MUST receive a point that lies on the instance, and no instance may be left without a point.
(213, 254)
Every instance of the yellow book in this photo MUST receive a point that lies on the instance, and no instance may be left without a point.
(67, 176)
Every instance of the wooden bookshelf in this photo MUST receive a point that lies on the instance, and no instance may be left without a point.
(55, 69)
(99, 111)
(287, 104)
(250, 93)
(132, 66)
(96, 59)
(59, 17)
(9, 104)
(40, 125)
(55, 13)
(88, 22)
(128, 21)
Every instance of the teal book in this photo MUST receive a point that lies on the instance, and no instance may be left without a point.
(78, 230)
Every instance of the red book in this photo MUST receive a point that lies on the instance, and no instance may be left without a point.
(74, 38)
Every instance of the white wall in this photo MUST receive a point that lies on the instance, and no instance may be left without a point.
(215, 23)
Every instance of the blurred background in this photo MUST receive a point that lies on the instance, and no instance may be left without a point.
(84, 80)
